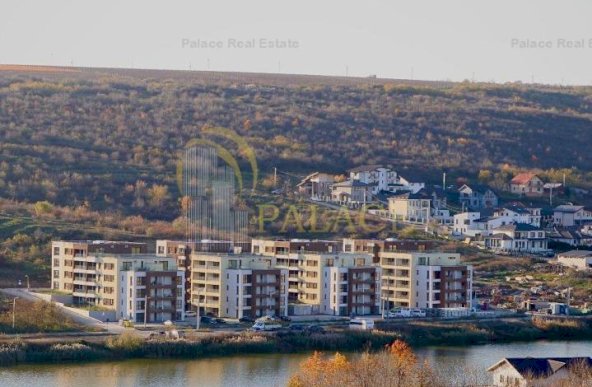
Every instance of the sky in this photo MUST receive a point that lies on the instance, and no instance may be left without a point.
(502, 41)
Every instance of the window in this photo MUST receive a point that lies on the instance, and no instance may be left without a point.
(56, 251)
(160, 249)
(56, 274)
(56, 285)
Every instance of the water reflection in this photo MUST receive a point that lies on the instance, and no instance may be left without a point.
(460, 364)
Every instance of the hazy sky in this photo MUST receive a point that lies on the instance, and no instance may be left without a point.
(435, 40)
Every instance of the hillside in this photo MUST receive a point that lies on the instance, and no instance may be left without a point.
(111, 138)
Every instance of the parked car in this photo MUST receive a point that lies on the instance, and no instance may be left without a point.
(265, 326)
(246, 319)
(207, 320)
(297, 327)
(190, 313)
(285, 318)
(361, 323)
(417, 313)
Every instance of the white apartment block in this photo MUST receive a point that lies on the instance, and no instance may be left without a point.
(383, 179)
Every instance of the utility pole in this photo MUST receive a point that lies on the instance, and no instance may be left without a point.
(14, 312)
(274, 177)
(444, 181)
(197, 316)
(146, 310)
(28, 284)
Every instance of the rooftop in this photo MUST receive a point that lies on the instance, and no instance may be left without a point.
(523, 178)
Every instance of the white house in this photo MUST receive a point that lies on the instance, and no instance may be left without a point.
(531, 371)
(463, 223)
(576, 236)
(410, 207)
(383, 179)
(519, 214)
(518, 237)
(476, 197)
(570, 215)
(577, 259)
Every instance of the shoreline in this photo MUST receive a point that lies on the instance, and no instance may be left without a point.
(418, 335)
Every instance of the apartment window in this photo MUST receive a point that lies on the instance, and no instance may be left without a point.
(56, 274)
(56, 262)
(109, 266)
(56, 285)
(56, 251)
(126, 266)
(160, 249)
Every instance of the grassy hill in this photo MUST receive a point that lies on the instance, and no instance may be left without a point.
(107, 141)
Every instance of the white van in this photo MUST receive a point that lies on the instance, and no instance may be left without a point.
(361, 324)
(265, 326)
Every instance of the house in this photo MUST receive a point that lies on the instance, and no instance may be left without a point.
(527, 184)
(571, 215)
(531, 371)
(353, 193)
(577, 259)
(518, 237)
(475, 197)
(463, 223)
(410, 207)
(521, 214)
(317, 186)
(380, 178)
(575, 236)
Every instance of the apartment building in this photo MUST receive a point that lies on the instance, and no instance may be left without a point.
(119, 276)
(319, 276)
(411, 207)
(350, 289)
(237, 285)
(425, 280)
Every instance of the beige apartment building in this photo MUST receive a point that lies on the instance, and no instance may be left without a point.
(319, 276)
(121, 277)
(238, 285)
(425, 280)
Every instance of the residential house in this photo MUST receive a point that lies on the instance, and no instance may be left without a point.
(410, 207)
(474, 197)
(527, 184)
(571, 215)
(520, 214)
(463, 223)
(531, 371)
(577, 259)
(317, 186)
(380, 178)
(352, 193)
(517, 237)
(576, 236)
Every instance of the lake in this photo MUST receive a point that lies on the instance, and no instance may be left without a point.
(260, 370)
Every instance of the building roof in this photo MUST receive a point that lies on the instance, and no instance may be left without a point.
(576, 254)
(573, 232)
(532, 367)
(516, 208)
(523, 178)
(517, 227)
(568, 208)
(499, 236)
(364, 168)
(350, 183)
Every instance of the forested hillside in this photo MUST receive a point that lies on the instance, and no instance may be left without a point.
(110, 139)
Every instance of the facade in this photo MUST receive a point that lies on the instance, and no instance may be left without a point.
(475, 197)
(318, 275)
(576, 259)
(464, 223)
(119, 276)
(527, 184)
(409, 207)
(569, 215)
(425, 280)
(517, 237)
(237, 285)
